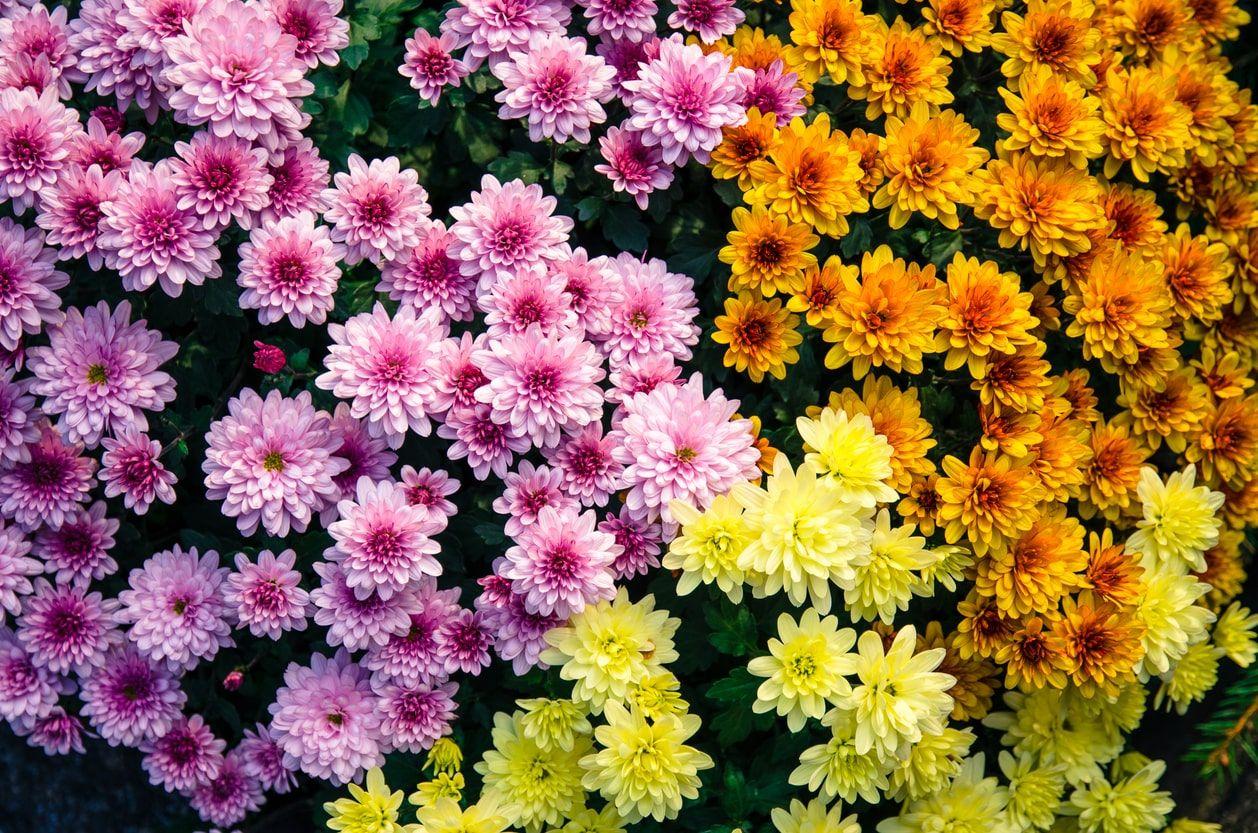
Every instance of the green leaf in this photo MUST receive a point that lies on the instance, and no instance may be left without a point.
(857, 240)
(357, 115)
(739, 687)
(491, 533)
(733, 629)
(623, 228)
(589, 208)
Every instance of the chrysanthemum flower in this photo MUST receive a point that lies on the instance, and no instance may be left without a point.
(356, 619)
(654, 314)
(35, 130)
(767, 252)
(220, 179)
(107, 56)
(486, 445)
(184, 757)
(316, 25)
(1190, 679)
(562, 563)
(1197, 272)
(896, 416)
(505, 227)
(639, 542)
(1035, 790)
(446, 816)
(830, 37)
(1057, 34)
(533, 786)
(377, 209)
(886, 577)
(430, 64)
(968, 804)
(28, 297)
(414, 716)
(743, 146)
(988, 500)
(1113, 473)
(298, 179)
(266, 596)
(1051, 115)
(78, 552)
(835, 768)
(554, 84)
(903, 66)
(805, 668)
(131, 699)
(228, 797)
(372, 809)
(1180, 520)
(709, 19)
(28, 690)
(1145, 125)
(1226, 448)
(1131, 804)
(761, 335)
(960, 25)
(70, 212)
(131, 467)
(773, 90)
(382, 541)
(428, 275)
(846, 449)
(1171, 618)
(527, 491)
(64, 628)
(1171, 411)
(812, 817)
(533, 295)
(1233, 633)
(984, 313)
(708, 546)
(930, 764)
(617, 20)
(1144, 29)
(493, 28)
(633, 167)
(1102, 644)
(48, 487)
(553, 724)
(1038, 567)
(262, 759)
(929, 160)
(587, 469)
(33, 33)
(288, 268)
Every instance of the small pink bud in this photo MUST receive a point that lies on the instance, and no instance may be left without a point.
(109, 118)
(233, 679)
(268, 358)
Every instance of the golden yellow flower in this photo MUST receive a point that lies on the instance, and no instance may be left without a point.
(930, 161)
(1113, 574)
(1082, 398)
(1225, 448)
(1044, 310)
(1043, 205)
(1145, 29)
(896, 415)
(1008, 432)
(1017, 381)
(976, 678)
(886, 318)
(1223, 373)
(743, 146)
(983, 630)
(989, 500)
(921, 505)
(1197, 272)
(761, 336)
(1113, 472)
(1057, 34)
(1236, 331)
(767, 452)
(1144, 125)
(960, 24)
(1051, 115)
(1240, 505)
(830, 37)
(812, 176)
(902, 67)
(1231, 210)
(1153, 364)
(767, 253)
(818, 297)
(870, 146)
(1102, 644)
(1121, 306)
(984, 313)
(1169, 412)
(1038, 567)
(1060, 459)
(1219, 20)
(752, 48)
(1135, 218)
(1210, 97)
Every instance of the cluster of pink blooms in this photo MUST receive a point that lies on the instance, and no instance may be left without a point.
(674, 100)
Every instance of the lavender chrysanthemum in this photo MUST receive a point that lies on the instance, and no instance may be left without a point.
(455, 377)
(221, 179)
(355, 621)
(65, 628)
(377, 210)
(587, 469)
(35, 131)
(183, 757)
(299, 177)
(229, 796)
(266, 596)
(131, 467)
(464, 641)
(19, 424)
(262, 759)
(29, 282)
(526, 492)
(78, 552)
(104, 146)
(430, 64)
(709, 19)
(27, 689)
(488, 446)
(288, 268)
(621, 20)
(640, 543)
(382, 542)
(492, 28)
(315, 25)
(427, 490)
(40, 36)
(414, 656)
(519, 636)
(109, 57)
(16, 570)
(557, 86)
(367, 456)
(655, 313)
(49, 486)
(131, 699)
(70, 212)
(56, 733)
(414, 716)
(632, 166)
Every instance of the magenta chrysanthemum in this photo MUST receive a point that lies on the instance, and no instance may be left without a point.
(377, 210)
(617, 20)
(35, 131)
(78, 552)
(557, 86)
(532, 296)
(103, 146)
(229, 796)
(526, 492)
(492, 28)
(272, 462)
(519, 636)
(655, 314)
(677, 444)
(38, 35)
(109, 57)
(588, 471)
(262, 759)
(773, 90)
(383, 366)
(643, 374)
(131, 699)
(70, 212)
(16, 570)
(29, 282)
(325, 720)
(100, 372)
(414, 716)
(455, 376)
(504, 227)
(56, 733)
(640, 544)
(430, 64)
(221, 179)
(185, 756)
(27, 689)
(315, 25)
(488, 446)
(289, 269)
(47, 487)
(298, 179)
(682, 100)
(427, 276)
(19, 424)
(367, 456)
(589, 286)
(266, 596)
(176, 609)
(427, 490)
(633, 167)
(709, 19)
(382, 542)
(131, 467)
(415, 655)
(464, 640)
(627, 57)
(357, 621)
(562, 563)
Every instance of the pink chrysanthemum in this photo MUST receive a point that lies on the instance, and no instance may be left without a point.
(562, 563)
(541, 385)
(27, 689)
(48, 487)
(70, 212)
(100, 372)
(324, 718)
(709, 19)
(22, 72)
(109, 149)
(229, 796)
(526, 492)
(464, 640)
(488, 446)
(289, 269)
(533, 296)
(427, 276)
(176, 609)
(682, 99)
(35, 33)
(557, 86)
(109, 57)
(19, 424)
(131, 467)
(590, 287)
(655, 314)
(415, 655)
(131, 699)
(147, 238)
(643, 374)
(235, 70)
(628, 57)
(628, 20)
(640, 544)
(773, 90)
(588, 471)
(492, 28)
(427, 490)
(262, 759)
(220, 179)
(455, 377)
(519, 636)
(64, 628)
(29, 281)
(382, 541)
(430, 64)
(315, 25)
(150, 24)
(677, 444)
(56, 733)
(78, 552)
(185, 756)
(35, 131)
(632, 167)
(358, 621)
(16, 570)
(505, 227)
(367, 456)
(272, 462)
(266, 596)
(299, 178)
(377, 210)
(414, 716)
(383, 366)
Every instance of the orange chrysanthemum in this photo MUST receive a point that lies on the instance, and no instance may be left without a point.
(1008, 432)
(752, 48)
(976, 678)
(1102, 644)
(1144, 29)
(767, 253)
(1121, 306)
(896, 415)
(1135, 218)
(818, 296)
(1074, 388)
(743, 146)
(870, 146)
(1045, 310)
(991, 499)
(1060, 459)
(1231, 210)
(761, 336)
(1225, 448)
(1170, 412)
(1210, 97)
(960, 24)
(1144, 124)
(902, 67)
(1113, 472)
(983, 630)
(984, 313)
(921, 505)
(1057, 34)
(930, 161)
(1052, 116)
(1113, 574)
(1240, 505)
(1037, 568)
(1197, 272)
(1219, 20)
(830, 37)
(1018, 381)
(1032, 658)
(1224, 374)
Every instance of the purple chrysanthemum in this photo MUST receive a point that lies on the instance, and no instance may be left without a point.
(531, 296)
(70, 212)
(150, 24)
(105, 147)
(147, 238)
(628, 20)
(131, 699)
(427, 276)
(28, 690)
(109, 56)
(266, 596)
(682, 100)
(315, 25)
(488, 446)
(29, 281)
(519, 636)
(64, 628)
(590, 287)
(262, 759)
(640, 544)
(220, 179)
(56, 733)
(19, 424)
(492, 28)
(176, 609)
(377, 210)
(415, 655)
(185, 756)
(383, 366)
(382, 542)
(289, 269)
(100, 372)
(455, 377)
(427, 490)
(677, 444)
(655, 314)
(557, 86)
(358, 621)
(299, 177)
(628, 57)
(325, 719)
(633, 167)
(272, 462)
(35, 131)
(526, 492)
(131, 467)
(504, 227)
(773, 90)
(49, 486)
(587, 469)
(709, 19)
(16, 570)
(78, 552)
(367, 456)
(430, 64)
(414, 716)
(229, 796)
(562, 563)
(464, 640)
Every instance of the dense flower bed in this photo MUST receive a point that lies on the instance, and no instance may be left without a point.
(711, 415)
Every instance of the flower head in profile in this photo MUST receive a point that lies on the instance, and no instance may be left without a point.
(1131, 803)
(805, 668)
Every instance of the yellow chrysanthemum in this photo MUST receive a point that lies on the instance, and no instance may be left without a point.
(760, 336)
(606, 820)
(896, 415)
(1017, 381)
(976, 678)
(656, 695)
(1052, 116)
(836, 768)
(445, 816)
(870, 146)
(886, 576)
(444, 785)
(970, 803)
(1122, 306)
(990, 500)
(830, 38)
(930, 159)
(984, 312)
(805, 668)
(708, 546)
(1131, 805)
(1219, 20)
(767, 252)
(1210, 97)
(1171, 617)
(1035, 791)
(1224, 374)
(1057, 34)
(370, 810)
(960, 24)
(848, 451)
(1234, 634)
(444, 756)
(1145, 126)
(1190, 678)
(553, 723)
(1180, 521)
(902, 67)
(813, 817)
(531, 785)
(1009, 432)
(930, 764)
(1169, 412)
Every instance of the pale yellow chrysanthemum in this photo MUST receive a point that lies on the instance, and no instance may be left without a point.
(444, 785)
(1172, 618)
(1181, 521)
(708, 547)
(656, 695)
(1131, 805)
(1193, 826)
(444, 756)
(971, 803)
(805, 534)
(370, 810)
(930, 159)
(1190, 678)
(836, 768)
(445, 816)
(606, 820)
(553, 723)
(645, 769)
(1234, 634)
(898, 696)
(850, 454)
(805, 668)
(1035, 791)
(606, 647)
(949, 565)
(931, 762)
(813, 817)
(1052, 116)
(1039, 724)
(531, 785)
(888, 574)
